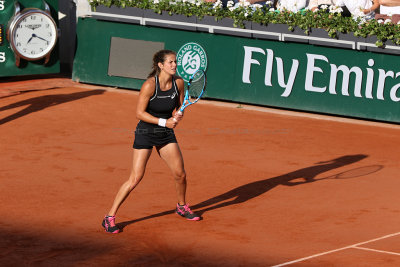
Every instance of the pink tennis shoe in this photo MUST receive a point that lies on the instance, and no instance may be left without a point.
(186, 212)
(109, 225)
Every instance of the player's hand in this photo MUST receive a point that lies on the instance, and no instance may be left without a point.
(171, 123)
(178, 116)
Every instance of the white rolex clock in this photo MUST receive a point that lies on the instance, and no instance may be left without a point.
(32, 34)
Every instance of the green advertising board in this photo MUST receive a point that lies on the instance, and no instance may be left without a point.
(270, 73)
(29, 50)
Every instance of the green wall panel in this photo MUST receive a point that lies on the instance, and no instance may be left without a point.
(257, 71)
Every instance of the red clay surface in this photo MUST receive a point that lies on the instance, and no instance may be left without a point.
(256, 177)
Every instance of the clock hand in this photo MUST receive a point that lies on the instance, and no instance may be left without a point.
(30, 39)
(34, 35)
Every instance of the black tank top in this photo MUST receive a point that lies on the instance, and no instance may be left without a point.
(161, 104)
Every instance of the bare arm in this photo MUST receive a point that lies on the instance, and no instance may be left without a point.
(313, 4)
(390, 2)
(181, 88)
(374, 6)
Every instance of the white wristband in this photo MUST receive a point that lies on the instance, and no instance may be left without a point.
(162, 122)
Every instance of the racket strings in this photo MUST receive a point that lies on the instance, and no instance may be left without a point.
(358, 172)
(196, 87)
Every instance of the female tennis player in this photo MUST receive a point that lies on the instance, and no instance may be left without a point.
(161, 96)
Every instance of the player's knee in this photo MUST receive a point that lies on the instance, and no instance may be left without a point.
(134, 179)
(180, 177)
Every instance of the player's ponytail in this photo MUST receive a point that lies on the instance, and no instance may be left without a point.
(159, 57)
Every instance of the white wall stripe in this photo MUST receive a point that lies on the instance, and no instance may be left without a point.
(117, 16)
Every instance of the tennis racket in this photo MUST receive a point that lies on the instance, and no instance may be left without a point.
(357, 172)
(195, 89)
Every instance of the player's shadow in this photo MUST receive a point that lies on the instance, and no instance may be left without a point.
(42, 102)
(249, 191)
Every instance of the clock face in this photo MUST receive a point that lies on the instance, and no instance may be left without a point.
(34, 35)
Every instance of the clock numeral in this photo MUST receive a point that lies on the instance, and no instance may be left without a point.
(33, 17)
(47, 26)
(33, 52)
(18, 44)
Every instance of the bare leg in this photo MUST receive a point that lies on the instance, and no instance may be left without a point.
(140, 158)
(172, 155)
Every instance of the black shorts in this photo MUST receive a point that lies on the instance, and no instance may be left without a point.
(146, 138)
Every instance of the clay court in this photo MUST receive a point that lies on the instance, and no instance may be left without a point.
(273, 187)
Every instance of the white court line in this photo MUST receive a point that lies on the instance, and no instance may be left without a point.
(377, 250)
(336, 250)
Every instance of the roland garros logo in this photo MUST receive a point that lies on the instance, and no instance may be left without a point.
(191, 57)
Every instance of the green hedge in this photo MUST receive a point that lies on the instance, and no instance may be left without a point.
(333, 23)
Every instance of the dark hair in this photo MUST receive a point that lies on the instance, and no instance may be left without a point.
(159, 57)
